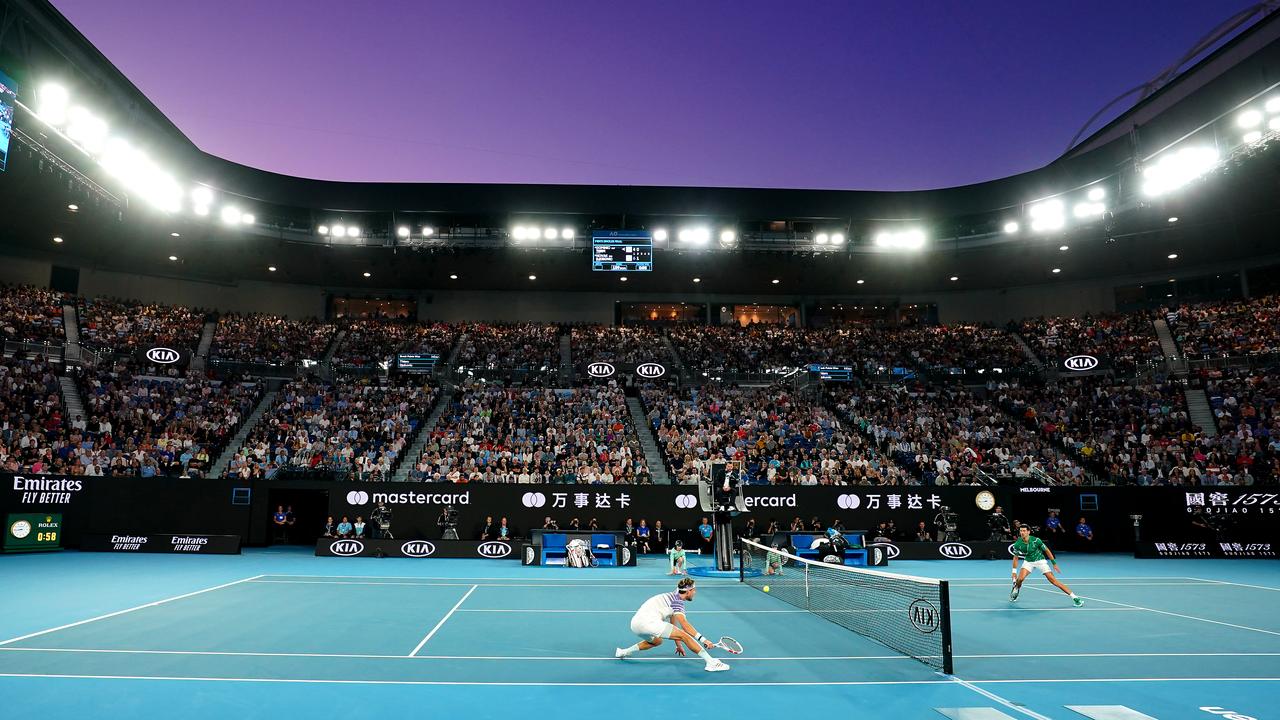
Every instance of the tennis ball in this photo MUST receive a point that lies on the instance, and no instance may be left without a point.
(766, 588)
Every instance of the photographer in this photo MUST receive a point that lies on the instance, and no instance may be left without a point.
(999, 526)
(947, 524)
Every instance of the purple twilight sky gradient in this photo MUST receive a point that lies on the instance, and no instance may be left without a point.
(894, 94)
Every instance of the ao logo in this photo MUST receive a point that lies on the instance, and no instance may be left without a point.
(848, 502)
(1080, 362)
(626, 555)
(955, 551)
(346, 548)
(417, 548)
(877, 555)
(650, 370)
(924, 616)
(163, 355)
(357, 497)
(494, 549)
(533, 499)
(686, 501)
(600, 369)
(891, 551)
(529, 555)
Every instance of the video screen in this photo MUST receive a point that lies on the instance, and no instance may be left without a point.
(8, 98)
(621, 251)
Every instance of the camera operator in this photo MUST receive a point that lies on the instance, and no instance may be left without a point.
(999, 526)
(448, 523)
(381, 517)
(947, 524)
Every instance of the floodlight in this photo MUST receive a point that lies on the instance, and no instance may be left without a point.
(52, 103)
(173, 258)
(1274, 124)
(1096, 194)
(776, 281)
(1252, 136)
(954, 278)
(353, 231)
(1057, 270)
(428, 231)
(837, 238)
(1088, 210)
(1010, 227)
(566, 234)
(728, 237)
(247, 219)
(1047, 215)
(697, 280)
(201, 210)
(1273, 105)
(860, 282)
(201, 195)
(660, 235)
(86, 129)
(1173, 219)
(403, 231)
(623, 278)
(58, 240)
(821, 238)
(230, 215)
(910, 239)
(323, 229)
(453, 277)
(1175, 169)
(338, 231)
(368, 274)
(1173, 256)
(271, 268)
(1249, 118)
(1064, 248)
(549, 234)
(533, 277)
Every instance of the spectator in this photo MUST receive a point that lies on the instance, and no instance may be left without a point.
(344, 528)
(330, 529)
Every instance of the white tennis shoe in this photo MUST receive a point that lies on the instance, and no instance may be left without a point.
(716, 666)
(620, 653)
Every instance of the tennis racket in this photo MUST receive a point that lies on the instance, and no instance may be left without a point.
(728, 643)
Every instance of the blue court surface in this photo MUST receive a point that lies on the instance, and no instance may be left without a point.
(283, 634)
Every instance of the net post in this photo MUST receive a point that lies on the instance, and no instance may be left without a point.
(944, 609)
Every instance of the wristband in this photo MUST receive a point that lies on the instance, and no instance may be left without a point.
(699, 638)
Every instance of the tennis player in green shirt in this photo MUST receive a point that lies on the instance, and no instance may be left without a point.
(1033, 551)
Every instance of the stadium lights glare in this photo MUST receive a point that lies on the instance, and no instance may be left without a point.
(323, 229)
(338, 231)
(453, 277)
(567, 234)
(58, 240)
(837, 238)
(821, 238)
(695, 236)
(201, 210)
(247, 219)
(1011, 227)
(174, 234)
(533, 277)
(697, 280)
(353, 231)
(910, 239)
(1249, 119)
(1057, 270)
(1273, 105)
(1064, 248)
(518, 233)
(954, 278)
(230, 215)
(550, 234)
(660, 235)
(368, 274)
(1047, 215)
(428, 231)
(860, 282)
(776, 281)
(728, 237)
(51, 103)
(1096, 194)
(73, 207)
(86, 130)
(271, 268)
(402, 231)
(1252, 137)
(1173, 256)
(1088, 209)
(623, 278)
(1176, 169)
(1274, 124)
(1173, 219)
(173, 258)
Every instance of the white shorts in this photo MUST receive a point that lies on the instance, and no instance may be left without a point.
(651, 626)
(1041, 565)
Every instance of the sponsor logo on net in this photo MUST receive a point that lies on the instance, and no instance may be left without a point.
(346, 548)
(360, 497)
(600, 369)
(417, 548)
(494, 549)
(687, 502)
(1080, 363)
(955, 550)
(877, 555)
(848, 502)
(163, 355)
(891, 551)
(924, 616)
(650, 370)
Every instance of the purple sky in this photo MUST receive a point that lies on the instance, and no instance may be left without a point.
(891, 94)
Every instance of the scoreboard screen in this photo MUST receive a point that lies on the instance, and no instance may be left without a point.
(834, 373)
(622, 251)
(8, 99)
(416, 362)
(32, 532)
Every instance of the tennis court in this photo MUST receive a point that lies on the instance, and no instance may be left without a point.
(270, 633)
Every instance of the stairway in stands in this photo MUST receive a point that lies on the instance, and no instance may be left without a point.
(71, 327)
(201, 360)
(71, 399)
(1172, 356)
(685, 377)
(1200, 411)
(648, 443)
(237, 441)
(1031, 354)
(414, 451)
(565, 377)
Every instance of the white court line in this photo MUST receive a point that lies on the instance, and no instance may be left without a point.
(996, 698)
(469, 584)
(459, 579)
(447, 615)
(1245, 585)
(127, 610)
(610, 659)
(618, 684)
(1098, 584)
(1163, 612)
(799, 612)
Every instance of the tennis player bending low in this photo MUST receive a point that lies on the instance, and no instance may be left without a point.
(662, 616)
(1032, 550)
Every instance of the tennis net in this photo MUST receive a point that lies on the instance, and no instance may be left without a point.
(910, 615)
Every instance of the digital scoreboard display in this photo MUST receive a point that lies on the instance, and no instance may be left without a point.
(416, 362)
(622, 251)
(8, 98)
(833, 373)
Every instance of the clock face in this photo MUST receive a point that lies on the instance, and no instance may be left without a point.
(985, 500)
(20, 529)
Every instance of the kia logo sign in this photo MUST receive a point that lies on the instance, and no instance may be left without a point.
(494, 549)
(1080, 363)
(163, 355)
(924, 616)
(650, 370)
(346, 548)
(600, 369)
(533, 499)
(849, 502)
(417, 548)
(686, 502)
(955, 550)
(357, 497)
(891, 551)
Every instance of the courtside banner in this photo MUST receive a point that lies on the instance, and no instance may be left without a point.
(1206, 549)
(176, 543)
(973, 550)
(366, 547)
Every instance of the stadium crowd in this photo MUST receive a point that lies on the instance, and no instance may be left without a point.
(629, 344)
(30, 314)
(1237, 327)
(31, 416)
(125, 326)
(527, 435)
(531, 347)
(1122, 340)
(270, 339)
(369, 342)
